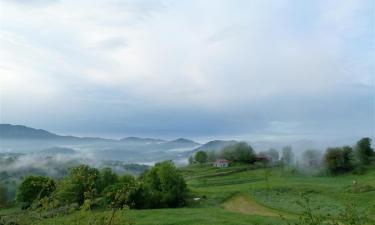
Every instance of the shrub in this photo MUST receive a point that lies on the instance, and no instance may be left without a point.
(34, 187)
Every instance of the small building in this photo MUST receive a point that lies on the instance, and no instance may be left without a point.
(221, 163)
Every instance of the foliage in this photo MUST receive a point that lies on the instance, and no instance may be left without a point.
(34, 187)
(107, 178)
(311, 158)
(165, 186)
(364, 152)
(338, 160)
(81, 184)
(239, 152)
(287, 155)
(201, 157)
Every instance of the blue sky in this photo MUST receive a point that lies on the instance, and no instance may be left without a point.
(198, 69)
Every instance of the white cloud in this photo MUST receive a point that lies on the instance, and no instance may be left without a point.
(180, 54)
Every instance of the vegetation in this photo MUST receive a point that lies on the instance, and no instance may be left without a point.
(243, 193)
(33, 188)
(201, 157)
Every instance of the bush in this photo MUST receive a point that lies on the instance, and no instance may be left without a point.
(81, 184)
(34, 187)
(164, 186)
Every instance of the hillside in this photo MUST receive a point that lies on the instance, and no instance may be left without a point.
(215, 145)
(240, 195)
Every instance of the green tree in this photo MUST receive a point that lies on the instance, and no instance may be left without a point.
(201, 157)
(287, 155)
(311, 158)
(348, 158)
(273, 155)
(126, 179)
(33, 188)
(211, 156)
(81, 184)
(165, 186)
(107, 177)
(364, 152)
(240, 152)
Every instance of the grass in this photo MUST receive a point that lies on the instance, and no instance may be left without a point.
(242, 195)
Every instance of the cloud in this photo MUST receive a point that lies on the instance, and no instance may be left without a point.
(189, 67)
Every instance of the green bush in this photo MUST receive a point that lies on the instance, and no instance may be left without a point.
(34, 187)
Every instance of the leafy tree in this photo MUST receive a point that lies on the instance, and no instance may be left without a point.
(81, 184)
(240, 152)
(311, 158)
(126, 179)
(287, 155)
(119, 195)
(364, 151)
(273, 155)
(348, 158)
(201, 157)
(107, 177)
(34, 187)
(165, 186)
(338, 160)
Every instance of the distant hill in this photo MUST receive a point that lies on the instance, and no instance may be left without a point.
(20, 131)
(9, 131)
(216, 145)
(184, 141)
(138, 140)
(181, 143)
(58, 151)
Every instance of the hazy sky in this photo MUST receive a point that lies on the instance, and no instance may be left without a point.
(189, 68)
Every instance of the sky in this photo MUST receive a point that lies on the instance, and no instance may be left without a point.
(199, 69)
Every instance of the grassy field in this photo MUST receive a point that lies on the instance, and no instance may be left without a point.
(242, 195)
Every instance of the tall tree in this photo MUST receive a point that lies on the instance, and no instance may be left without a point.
(240, 152)
(201, 156)
(287, 155)
(364, 152)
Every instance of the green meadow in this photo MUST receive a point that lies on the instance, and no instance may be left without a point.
(239, 194)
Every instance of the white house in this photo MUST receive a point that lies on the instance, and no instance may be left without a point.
(221, 163)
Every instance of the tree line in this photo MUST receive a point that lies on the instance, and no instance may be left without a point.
(162, 186)
(335, 160)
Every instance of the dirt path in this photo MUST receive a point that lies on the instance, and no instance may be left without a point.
(244, 204)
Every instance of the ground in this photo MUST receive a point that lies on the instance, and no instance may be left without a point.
(243, 195)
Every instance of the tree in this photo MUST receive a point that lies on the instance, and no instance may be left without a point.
(311, 158)
(164, 186)
(364, 152)
(339, 160)
(273, 155)
(201, 157)
(287, 155)
(33, 188)
(107, 177)
(81, 184)
(348, 158)
(239, 152)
